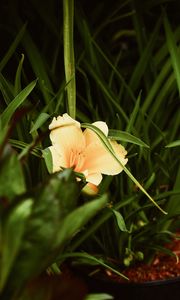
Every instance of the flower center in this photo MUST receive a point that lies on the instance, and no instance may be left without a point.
(76, 160)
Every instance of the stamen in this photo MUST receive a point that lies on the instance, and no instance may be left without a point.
(76, 160)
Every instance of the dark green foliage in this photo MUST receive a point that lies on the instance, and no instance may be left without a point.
(127, 74)
(36, 225)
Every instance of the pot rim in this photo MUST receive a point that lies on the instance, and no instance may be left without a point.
(143, 284)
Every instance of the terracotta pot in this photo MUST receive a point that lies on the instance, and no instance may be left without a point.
(153, 290)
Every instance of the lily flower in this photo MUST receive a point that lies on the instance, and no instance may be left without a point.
(83, 150)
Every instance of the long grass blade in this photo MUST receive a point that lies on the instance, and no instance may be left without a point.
(144, 59)
(92, 259)
(173, 144)
(38, 64)
(17, 84)
(173, 50)
(69, 64)
(108, 146)
(14, 104)
(108, 92)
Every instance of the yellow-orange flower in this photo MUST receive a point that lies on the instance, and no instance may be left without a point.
(83, 150)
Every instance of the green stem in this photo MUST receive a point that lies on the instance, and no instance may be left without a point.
(69, 64)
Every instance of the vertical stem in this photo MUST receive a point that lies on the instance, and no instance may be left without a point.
(69, 64)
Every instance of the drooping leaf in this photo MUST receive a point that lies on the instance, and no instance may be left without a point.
(109, 148)
(125, 137)
(92, 260)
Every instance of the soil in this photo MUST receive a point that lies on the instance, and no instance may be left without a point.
(162, 267)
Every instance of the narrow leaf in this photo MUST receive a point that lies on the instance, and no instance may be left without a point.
(89, 258)
(17, 85)
(144, 59)
(14, 104)
(36, 151)
(41, 119)
(69, 65)
(173, 144)
(134, 114)
(173, 50)
(48, 159)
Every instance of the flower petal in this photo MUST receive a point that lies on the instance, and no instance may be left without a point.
(94, 178)
(99, 160)
(91, 136)
(63, 120)
(58, 160)
(68, 140)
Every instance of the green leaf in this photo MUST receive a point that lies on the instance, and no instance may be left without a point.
(17, 84)
(120, 220)
(144, 59)
(165, 91)
(53, 201)
(90, 259)
(120, 77)
(36, 151)
(125, 137)
(173, 206)
(134, 114)
(6, 89)
(79, 217)
(111, 96)
(48, 159)
(173, 50)
(11, 175)
(14, 104)
(69, 64)
(12, 233)
(173, 144)
(41, 119)
(37, 63)
(156, 87)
